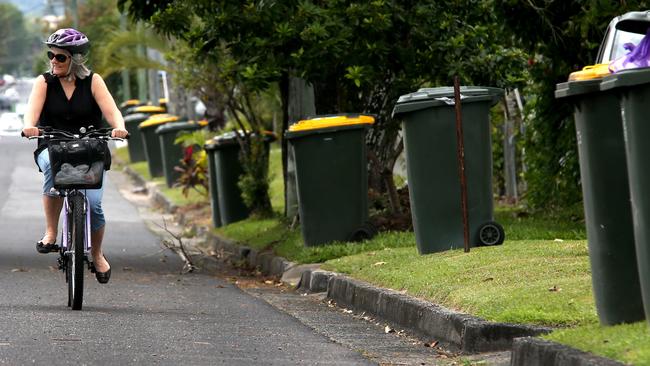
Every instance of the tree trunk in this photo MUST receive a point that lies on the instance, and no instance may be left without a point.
(300, 105)
(509, 148)
(284, 96)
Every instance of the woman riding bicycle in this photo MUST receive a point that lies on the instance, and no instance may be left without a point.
(67, 97)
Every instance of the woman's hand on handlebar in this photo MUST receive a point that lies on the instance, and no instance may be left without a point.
(31, 131)
(119, 133)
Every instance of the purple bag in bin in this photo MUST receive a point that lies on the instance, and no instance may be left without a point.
(638, 56)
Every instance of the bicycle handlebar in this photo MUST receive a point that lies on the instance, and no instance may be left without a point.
(99, 133)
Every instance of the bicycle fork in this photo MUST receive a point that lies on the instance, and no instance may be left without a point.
(66, 234)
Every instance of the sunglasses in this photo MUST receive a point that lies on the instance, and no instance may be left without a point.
(59, 56)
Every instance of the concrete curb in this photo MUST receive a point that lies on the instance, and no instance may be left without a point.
(539, 352)
(461, 331)
(267, 263)
(137, 178)
(157, 198)
(467, 333)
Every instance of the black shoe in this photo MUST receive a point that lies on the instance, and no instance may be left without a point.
(46, 248)
(102, 277)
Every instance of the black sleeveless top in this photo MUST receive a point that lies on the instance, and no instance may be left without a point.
(70, 115)
(81, 110)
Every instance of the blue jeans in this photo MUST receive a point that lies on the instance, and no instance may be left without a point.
(94, 196)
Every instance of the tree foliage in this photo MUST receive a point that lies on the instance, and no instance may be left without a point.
(360, 56)
(561, 36)
(17, 42)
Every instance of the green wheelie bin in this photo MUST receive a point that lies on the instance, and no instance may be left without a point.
(170, 152)
(429, 127)
(606, 196)
(332, 178)
(144, 108)
(124, 106)
(151, 142)
(227, 170)
(134, 144)
(211, 148)
(633, 90)
(138, 114)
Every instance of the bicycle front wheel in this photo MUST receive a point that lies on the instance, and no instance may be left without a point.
(76, 255)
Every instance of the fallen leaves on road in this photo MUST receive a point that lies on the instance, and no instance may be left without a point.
(19, 270)
(388, 329)
(432, 344)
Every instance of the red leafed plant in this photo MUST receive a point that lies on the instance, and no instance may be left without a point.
(193, 171)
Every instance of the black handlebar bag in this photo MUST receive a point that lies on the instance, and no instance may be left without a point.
(79, 164)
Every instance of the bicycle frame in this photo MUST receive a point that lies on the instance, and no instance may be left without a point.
(66, 214)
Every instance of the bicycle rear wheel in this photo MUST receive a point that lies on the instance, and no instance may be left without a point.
(75, 265)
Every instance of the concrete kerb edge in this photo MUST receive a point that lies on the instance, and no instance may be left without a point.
(464, 332)
(468, 333)
(265, 261)
(531, 351)
(157, 198)
(137, 178)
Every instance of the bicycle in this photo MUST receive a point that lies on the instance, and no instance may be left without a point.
(75, 236)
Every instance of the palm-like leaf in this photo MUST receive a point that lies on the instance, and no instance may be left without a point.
(121, 53)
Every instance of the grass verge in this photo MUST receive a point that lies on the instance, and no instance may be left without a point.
(627, 343)
(487, 281)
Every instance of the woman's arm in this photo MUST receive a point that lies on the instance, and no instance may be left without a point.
(34, 107)
(107, 104)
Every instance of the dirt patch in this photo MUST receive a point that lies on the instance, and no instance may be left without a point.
(381, 216)
(199, 214)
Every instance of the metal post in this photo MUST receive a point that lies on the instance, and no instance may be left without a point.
(75, 14)
(126, 78)
(461, 161)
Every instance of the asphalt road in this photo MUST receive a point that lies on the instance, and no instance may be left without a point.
(149, 313)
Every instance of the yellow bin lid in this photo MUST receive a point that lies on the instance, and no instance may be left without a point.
(158, 119)
(590, 72)
(333, 121)
(149, 109)
(201, 122)
(130, 102)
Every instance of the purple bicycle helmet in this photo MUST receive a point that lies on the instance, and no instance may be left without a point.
(70, 40)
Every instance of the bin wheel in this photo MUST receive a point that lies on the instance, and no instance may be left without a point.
(491, 233)
(365, 232)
